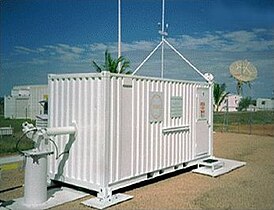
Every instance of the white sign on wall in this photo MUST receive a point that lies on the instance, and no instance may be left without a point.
(176, 106)
(156, 107)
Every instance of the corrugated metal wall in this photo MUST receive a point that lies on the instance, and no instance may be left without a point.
(76, 99)
(116, 139)
(146, 148)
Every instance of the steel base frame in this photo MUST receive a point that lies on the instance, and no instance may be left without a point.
(102, 203)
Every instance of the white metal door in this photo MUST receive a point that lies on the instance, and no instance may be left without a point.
(126, 129)
(202, 126)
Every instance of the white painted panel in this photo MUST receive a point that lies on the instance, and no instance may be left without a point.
(76, 99)
(151, 149)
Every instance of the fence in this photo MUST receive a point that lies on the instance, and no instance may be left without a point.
(6, 131)
(249, 122)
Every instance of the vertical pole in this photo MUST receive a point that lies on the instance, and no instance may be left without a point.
(35, 181)
(119, 34)
(250, 112)
(163, 30)
(104, 132)
(162, 61)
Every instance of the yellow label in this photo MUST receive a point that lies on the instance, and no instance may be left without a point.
(45, 97)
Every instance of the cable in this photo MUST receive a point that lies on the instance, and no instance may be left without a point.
(35, 129)
(20, 139)
(62, 153)
(56, 148)
(17, 143)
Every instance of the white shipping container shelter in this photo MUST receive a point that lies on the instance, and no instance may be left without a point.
(129, 128)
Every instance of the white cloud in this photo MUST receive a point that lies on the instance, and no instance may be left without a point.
(40, 50)
(192, 42)
(67, 48)
(77, 50)
(98, 47)
(24, 50)
(236, 41)
(219, 41)
(260, 30)
(210, 52)
(38, 61)
(240, 36)
(139, 45)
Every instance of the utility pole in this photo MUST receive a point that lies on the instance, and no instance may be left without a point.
(119, 35)
(163, 33)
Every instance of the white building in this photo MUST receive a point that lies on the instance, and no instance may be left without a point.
(230, 103)
(265, 104)
(24, 101)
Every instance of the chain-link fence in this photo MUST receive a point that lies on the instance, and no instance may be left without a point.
(249, 122)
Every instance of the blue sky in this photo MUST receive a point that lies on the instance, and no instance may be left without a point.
(39, 37)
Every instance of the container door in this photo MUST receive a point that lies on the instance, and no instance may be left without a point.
(202, 126)
(126, 129)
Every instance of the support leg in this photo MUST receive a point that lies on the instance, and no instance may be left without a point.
(105, 199)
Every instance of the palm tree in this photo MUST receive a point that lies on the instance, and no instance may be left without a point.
(111, 64)
(219, 95)
(244, 103)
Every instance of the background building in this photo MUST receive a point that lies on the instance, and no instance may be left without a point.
(265, 104)
(24, 101)
(230, 103)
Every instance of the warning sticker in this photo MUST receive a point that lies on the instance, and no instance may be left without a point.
(202, 109)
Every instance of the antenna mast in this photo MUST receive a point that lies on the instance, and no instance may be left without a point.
(163, 33)
(119, 34)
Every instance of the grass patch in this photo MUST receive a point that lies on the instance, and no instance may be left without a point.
(8, 143)
(258, 123)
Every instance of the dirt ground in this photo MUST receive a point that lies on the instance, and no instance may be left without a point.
(250, 187)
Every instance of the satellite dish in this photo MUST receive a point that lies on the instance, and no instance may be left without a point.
(243, 71)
